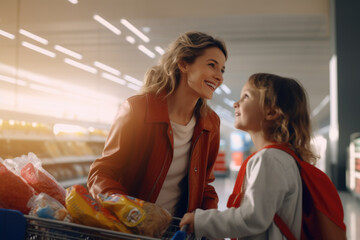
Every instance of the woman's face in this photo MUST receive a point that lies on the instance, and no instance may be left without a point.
(248, 113)
(205, 74)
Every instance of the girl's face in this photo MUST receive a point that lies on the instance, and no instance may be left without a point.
(205, 74)
(248, 113)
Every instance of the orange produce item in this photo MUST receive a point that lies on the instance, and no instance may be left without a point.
(14, 191)
(43, 183)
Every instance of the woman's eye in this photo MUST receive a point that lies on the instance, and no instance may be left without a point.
(212, 65)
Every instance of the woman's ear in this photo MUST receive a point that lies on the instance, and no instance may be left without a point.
(272, 114)
(182, 65)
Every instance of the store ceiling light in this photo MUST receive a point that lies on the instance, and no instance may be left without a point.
(68, 52)
(130, 39)
(136, 31)
(38, 49)
(44, 89)
(133, 80)
(133, 86)
(107, 68)
(6, 34)
(33, 36)
(12, 80)
(146, 51)
(73, 1)
(225, 88)
(159, 50)
(80, 66)
(106, 24)
(113, 78)
(322, 105)
(229, 102)
(218, 91)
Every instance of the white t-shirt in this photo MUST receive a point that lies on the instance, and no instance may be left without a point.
(272, 185)
(171, 191)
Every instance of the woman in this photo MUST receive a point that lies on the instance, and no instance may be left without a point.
(164, 141)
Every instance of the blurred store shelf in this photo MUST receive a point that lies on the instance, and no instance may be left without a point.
(66, 148)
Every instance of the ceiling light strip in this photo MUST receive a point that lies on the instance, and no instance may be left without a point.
(322, 105)
(12, 80)
(130, 39)
(6, 34)
(136, 31)
(146, 51)
(225, 88)
(73, 1)
(44, 89)
(113, 78)
(107, 68)
(68, 52)
(38, 49)
(159, 50)
(229, 102)
(106, 24)
(133, 86)
(133, 80)
(33, 36)
(80, 66)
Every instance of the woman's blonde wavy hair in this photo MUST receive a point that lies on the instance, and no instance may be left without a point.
(165, 76)
(287, 97)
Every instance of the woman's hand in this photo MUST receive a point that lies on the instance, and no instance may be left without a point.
(188, 218)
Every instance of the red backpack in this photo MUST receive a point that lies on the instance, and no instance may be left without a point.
(322, 210)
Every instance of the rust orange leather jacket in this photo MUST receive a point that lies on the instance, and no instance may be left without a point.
(139, 150)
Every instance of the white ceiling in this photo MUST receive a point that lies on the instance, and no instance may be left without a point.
(285, 37)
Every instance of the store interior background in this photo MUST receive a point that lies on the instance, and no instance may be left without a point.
(63, 74)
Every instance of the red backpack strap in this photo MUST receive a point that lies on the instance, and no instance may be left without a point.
(235, 198)
(283, 228)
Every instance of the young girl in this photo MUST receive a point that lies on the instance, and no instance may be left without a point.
(273, 110)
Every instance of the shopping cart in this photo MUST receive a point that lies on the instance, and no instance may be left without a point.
(15, 226)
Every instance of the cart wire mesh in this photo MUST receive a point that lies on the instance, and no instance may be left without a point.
(41, 228)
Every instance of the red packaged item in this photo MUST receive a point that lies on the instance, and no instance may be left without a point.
(14, 191)
(43, 182)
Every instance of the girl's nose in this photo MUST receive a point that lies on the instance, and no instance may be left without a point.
(236, 104)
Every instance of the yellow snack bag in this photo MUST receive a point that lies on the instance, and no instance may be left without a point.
(127, 209)
(86, 210)
(143, 218)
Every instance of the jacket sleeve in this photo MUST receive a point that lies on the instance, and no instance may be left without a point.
(210, 199)
(107, 172)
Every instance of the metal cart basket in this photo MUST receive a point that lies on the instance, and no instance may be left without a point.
(14, 225)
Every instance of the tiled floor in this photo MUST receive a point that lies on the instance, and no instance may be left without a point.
(351, 205)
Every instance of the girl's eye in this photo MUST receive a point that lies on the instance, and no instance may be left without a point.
(212, 65)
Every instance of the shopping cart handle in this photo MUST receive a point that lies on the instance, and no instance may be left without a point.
(181, 234)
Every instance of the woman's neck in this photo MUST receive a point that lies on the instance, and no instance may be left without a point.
(181, 107)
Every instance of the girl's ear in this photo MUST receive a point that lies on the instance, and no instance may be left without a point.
(272, 114)
(182, 66)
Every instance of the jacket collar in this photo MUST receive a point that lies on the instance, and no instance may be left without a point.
(157, 111)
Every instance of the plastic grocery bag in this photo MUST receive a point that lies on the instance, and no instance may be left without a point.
(44, 206)
(14, 191)
(30, 168)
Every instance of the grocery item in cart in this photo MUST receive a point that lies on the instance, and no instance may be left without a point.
(45, 206)
(143, 218)
(43, 182)
(87, 211)
(14, 191)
